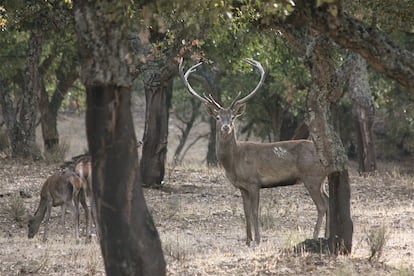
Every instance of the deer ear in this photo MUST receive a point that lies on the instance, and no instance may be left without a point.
(211, 110)
(238, 110)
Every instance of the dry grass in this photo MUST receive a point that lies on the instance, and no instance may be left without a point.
(200, 220)
(57, 154)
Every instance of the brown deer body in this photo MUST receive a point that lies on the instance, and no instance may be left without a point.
(60, 189)
(83, 168)
(251, 166)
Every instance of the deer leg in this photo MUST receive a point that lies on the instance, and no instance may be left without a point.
(321, 201)
(75, 212)
(326, 201)
(48, 211)
(94, 217)
(254, 199)
(90, 196)
(63, 218)
(247, 215)
(82, 198)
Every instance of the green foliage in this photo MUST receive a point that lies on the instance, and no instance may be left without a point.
(226, 35)
(12, 56)
(391, 16)
(394, 126)
(221, 32)
(54, 20)
(3, 18)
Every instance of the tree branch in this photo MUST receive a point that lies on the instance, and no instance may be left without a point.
(372, 44)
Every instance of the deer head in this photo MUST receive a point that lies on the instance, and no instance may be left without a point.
(225, 116)
(33, 225)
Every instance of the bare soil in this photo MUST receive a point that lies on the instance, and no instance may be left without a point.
(200, 220)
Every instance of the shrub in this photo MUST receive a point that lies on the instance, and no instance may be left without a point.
(4, 141)
(376, 239)
(15, 210)
(57, 154)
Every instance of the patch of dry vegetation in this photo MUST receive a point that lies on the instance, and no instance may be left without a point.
(200, 220)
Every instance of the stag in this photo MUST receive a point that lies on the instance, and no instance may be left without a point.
(250, 166)
(60, 189)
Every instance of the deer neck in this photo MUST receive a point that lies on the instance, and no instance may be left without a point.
(41, 209)
(226, 147)
(39, 215)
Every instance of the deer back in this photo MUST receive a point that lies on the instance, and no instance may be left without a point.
(273, 164)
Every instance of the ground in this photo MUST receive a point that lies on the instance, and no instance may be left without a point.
(200, 220)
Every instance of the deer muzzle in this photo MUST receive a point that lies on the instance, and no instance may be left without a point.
(226, 129)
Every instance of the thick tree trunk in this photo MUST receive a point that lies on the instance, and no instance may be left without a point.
(326, 89)
(324, 92)
(363, 113)
(23, 138)
(158, 82)
(129, 240)
(340, 223)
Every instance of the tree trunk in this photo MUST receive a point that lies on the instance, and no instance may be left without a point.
(363, 113)
(340, 223)
(211, 80)
(129, 240)
(324, 92)
(8, 112)
(49, 109)
(185, 131)
(158, 82)
(23, 139)
(326, 89)
(50, 132)
(211, 146)
(275, 114)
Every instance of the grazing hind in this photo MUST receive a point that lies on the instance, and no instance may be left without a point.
(60, 189)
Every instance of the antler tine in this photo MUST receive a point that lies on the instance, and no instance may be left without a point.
(235, 99)
(184, 77)
(213, 101)
(262, 77)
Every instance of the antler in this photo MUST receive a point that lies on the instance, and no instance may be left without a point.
(210, 100)
(256, 64)
(184, 77)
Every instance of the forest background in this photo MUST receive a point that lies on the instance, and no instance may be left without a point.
(312, 51)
